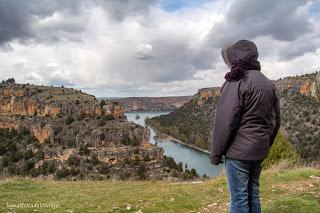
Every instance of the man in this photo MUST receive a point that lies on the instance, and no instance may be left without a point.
(243, 129)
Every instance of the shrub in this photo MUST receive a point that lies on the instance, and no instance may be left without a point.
(39, 155)
(28, 154)
(125, 140)
(48, 167)
(34, 172)
(280, 150)
(194, 172)
(15, 156)
(83, 149)
(47, 141)
(141, 171)
(104, 169)
(4, 161)
(69, 119)
(73, 160)
(146, 157)
(108, 117)
(94, 159)
(26, 166)
(73, 171)
(10, 80)
(12, 169)
(62, 173)
(135, 142)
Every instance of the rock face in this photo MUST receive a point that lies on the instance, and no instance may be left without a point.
(206, 93)
(64, 133)
(299, 102)
(307, 85)
(148, 104)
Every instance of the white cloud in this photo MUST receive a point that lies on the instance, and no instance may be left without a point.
(144, 51)
(113, 49)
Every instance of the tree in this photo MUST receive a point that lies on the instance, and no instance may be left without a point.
(11, 81)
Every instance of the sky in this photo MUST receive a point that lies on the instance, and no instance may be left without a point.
(121, 48)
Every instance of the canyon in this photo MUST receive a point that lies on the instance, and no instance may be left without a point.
(57, 132)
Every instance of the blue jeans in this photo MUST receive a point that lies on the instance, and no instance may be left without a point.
(243, 182)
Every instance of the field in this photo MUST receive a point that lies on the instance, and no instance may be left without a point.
(282, 190)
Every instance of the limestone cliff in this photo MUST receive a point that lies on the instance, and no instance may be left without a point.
(60, 132)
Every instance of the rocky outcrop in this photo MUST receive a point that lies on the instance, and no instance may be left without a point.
(315, 87)
(206, 93)
(308, 85)
(43, 133)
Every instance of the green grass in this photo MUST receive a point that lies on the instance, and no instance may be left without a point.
(281, 191)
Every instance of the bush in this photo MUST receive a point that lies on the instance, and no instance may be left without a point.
(107, 117)
(62, 173)
(104, 169)
(146, 157)
(12, 169)
(194, 172)
(28, 154)
(4, 161)
(73, 161)
(135, 142)
(280, 150)
(73, 171)
(15, 156)
(48, 167)
(34, 172)
(39, 155)
(69, 119)
(83, 149)
(125, 140)
(94, 159)
(26, 167)
(141, 171)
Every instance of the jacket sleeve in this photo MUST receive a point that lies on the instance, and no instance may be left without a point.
(227, 116)
(276, 108)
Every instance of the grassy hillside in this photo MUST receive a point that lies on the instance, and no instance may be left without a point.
(300, 116)
(295, 190)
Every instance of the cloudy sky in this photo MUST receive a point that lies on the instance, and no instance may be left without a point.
(151, 47)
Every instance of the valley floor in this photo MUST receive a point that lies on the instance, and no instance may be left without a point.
(295, 190)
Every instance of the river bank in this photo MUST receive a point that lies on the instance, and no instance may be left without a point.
(188, 155)
(176, 140)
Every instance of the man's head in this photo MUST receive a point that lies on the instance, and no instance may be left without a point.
(243, 51)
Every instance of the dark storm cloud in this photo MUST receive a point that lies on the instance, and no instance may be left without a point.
(19, 19)
(283, 20)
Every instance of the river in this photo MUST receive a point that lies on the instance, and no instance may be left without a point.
(180, 153)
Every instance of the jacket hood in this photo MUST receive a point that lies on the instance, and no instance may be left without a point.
(243, 51)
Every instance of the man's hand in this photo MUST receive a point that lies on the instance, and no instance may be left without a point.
(216, 160)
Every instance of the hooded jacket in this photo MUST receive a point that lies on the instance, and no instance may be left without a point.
(243, 127)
